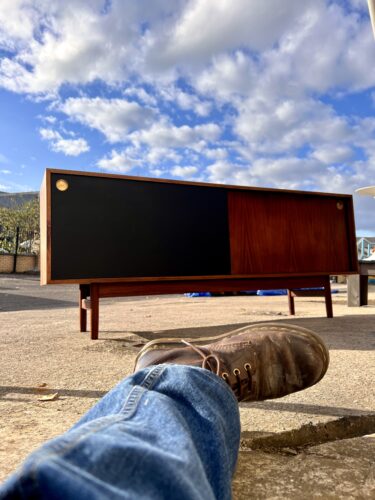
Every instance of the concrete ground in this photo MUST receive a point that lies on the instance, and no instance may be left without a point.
(319, 443)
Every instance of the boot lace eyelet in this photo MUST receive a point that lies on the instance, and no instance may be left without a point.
(225, 376)
(247, 367)
(237, 374)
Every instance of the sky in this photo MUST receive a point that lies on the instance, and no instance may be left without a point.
(263, 93)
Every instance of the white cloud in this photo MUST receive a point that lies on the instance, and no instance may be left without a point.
(285, 173)
(228, 76)
(115, 118)
(279, 125)
(77, 42)
(333, 154)
(185, 172)
(164, 135)
(17, 21)
(186, 100)
(145, 157)
(49, 134)
(117, 162)
(50, 119)
(206, 28)
(261, 73)
(63, 42)
(5, 172)
(155, 155)
(221, 171)
(216, 154)
(289, 172)
(141, 94)
(15, 187)
(70, 147)
(157, 172)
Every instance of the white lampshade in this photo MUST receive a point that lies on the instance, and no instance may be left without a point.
(366, 191)
(371, 8)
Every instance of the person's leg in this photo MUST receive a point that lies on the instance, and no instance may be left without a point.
(172, 429)
(165, 432)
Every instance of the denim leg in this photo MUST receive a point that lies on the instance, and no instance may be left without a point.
(166, 432)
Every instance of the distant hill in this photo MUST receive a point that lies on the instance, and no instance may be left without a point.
(12, 200)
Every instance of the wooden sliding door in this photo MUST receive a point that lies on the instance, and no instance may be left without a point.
(276, 233)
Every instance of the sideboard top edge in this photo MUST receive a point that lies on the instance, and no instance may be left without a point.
(191, 183)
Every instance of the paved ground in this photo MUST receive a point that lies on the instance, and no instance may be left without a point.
(289, 447)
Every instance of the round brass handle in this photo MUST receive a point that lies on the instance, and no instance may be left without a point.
(62, 185)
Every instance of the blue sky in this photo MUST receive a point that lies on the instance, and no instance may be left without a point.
(253, 92)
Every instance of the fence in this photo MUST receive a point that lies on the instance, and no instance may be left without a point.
(365, 248)
(19, 250)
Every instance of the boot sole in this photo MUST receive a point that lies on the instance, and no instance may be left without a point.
(169, 343)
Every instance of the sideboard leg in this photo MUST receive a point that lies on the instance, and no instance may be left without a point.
(83, 294)
(328, 297)
(291, 302)
(363, 289)
(94, 295)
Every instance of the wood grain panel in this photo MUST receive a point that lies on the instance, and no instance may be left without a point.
(284, 233)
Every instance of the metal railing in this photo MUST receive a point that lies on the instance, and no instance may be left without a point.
(19, 240)
(365, 248)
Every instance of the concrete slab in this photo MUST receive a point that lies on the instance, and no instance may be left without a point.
(341, 469)
(40, 344)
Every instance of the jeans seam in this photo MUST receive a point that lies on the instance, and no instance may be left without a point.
(132, 400)
(137, 392)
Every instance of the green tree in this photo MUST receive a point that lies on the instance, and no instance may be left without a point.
(26, 218)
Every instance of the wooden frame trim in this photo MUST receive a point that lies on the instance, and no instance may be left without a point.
(45, 230)
(190, 183)
(350, 226)
(197, 279)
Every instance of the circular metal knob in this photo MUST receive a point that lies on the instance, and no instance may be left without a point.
(62, 185)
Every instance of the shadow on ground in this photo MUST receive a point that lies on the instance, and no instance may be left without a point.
(344, 337)
(17, 302)
(75, 393)
(330, 411)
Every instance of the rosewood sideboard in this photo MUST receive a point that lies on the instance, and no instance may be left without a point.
(117, 236)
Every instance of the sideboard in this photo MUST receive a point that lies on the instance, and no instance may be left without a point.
(118, 235)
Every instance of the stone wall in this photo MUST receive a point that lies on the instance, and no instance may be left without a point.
(25, 263)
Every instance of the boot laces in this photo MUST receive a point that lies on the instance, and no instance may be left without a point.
(206, 358)
(206, 363)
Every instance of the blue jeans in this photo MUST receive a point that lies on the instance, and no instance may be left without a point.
(166, 432)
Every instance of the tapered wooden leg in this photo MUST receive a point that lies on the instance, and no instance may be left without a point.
(94, 295)
(328, 297)
(363, 290)
(83, 294)
(291, 303)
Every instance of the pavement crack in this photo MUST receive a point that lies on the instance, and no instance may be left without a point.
(294, 441)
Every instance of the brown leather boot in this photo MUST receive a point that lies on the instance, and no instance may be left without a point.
(261, 361)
